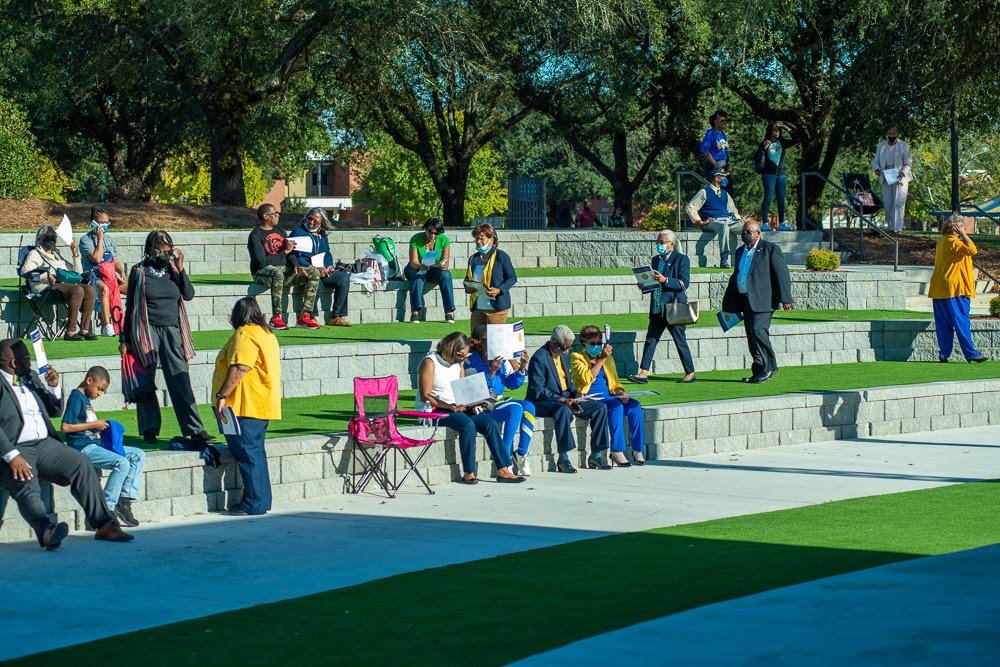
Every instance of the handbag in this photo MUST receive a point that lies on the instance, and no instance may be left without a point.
(862, 198)
(677, 313)
(68, 277)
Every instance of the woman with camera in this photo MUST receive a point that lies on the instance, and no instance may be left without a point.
(157, 333)
(952, 288)
(46, 268)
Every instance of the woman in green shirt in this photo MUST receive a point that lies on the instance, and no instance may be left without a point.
(430, 254)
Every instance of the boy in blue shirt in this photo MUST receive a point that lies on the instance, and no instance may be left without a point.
(82, 429)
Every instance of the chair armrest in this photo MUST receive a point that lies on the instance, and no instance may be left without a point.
(421, 414)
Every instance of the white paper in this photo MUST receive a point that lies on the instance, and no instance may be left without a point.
(644, 392)
(430, 258)
(228, 423)
(504, 340)
(644, 276)
(40, 358)
(302, 243)
(317, 260)
(65, 230)
(470, 390)
(891, 176)
(479, 287)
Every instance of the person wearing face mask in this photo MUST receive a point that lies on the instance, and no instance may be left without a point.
(892, 164)
(551, 389)
(713, 210)
(758, 285)
(157, 334)
(318, 265)
(672, 269)
(41, 266)
(100, 258)
(594, 372)
(491, 267)
(436, 373)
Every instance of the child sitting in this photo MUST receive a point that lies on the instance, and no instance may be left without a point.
(82, 429)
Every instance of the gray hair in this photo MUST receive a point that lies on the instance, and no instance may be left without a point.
(563, 333)
(668, 235)
(324, 219)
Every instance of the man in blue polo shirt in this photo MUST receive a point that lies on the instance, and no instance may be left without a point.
(715, 149)
(714, 210)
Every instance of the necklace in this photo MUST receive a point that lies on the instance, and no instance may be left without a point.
(156, 273)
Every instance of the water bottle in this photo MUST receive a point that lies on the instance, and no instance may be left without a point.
(607, 334)
(427, 408)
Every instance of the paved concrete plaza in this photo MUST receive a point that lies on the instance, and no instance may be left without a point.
(186, 568)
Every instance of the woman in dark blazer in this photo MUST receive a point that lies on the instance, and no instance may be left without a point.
(491, 267)
(673, 269)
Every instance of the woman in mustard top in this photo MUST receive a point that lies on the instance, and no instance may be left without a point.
(953, 285)
(248, 380)
(594, 373)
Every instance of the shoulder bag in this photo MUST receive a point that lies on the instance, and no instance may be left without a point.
(677, 313)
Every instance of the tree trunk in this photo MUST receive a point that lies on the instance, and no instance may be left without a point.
(226, 159)
(452, 193)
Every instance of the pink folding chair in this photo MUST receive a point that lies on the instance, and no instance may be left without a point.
(375, 435)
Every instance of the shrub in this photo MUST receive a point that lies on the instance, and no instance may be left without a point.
(660, 217)
(822, 260)
(995, 306)
(52, 182)
(20, 161)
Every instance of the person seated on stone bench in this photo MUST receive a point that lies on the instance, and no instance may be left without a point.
(49, 270)
(318, 265)
(430, 256)
(100, 259)
(83, 433)
(436, 373)
(551, 389)
(269, 249)
(594, 373)
(714, 211)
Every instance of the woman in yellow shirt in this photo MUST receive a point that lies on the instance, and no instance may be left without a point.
(248, 380)
(594, 373)
(953, 285)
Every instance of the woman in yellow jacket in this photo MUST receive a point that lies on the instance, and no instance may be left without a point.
(594, 373)
(953, 285)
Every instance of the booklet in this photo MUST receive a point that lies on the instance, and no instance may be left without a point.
(891, 176)
(504, 340)
(228, 423)
(40, 357)
(728, 320)
(479, 287)
(471, 390)
(644, 276)
(429, 258)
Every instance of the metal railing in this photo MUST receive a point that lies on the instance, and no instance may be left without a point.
(868, 220)
(677, 179)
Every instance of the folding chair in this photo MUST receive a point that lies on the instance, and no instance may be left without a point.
(375, 436)
(859, 188)
(39, 303)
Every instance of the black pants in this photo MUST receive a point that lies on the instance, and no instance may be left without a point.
(593, 411)
(759, 341)
(170, 357)
(339, 283)
(54, 462)
(657, 325)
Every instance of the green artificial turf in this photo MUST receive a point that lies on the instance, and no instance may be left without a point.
(497, 610)
(330, 413)
(214, 340)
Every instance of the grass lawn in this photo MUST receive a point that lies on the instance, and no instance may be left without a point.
(329, 414)
(213, 340)
(451, 615)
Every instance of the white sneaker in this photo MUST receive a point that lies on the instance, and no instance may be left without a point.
(522, 464)
(109, 330)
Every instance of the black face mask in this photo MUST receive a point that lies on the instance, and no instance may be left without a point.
(747, 238)
(49, 243)
(160, 259)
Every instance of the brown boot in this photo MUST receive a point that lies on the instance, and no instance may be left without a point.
(112, 532)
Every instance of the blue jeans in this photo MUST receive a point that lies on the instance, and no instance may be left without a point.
(617, 412)
(467, 426)
(516, 417)
(951, 318)
(774, 184)
(251, 460)
(126, 471)
(431, 275)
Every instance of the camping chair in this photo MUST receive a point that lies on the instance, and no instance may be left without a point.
(39, 303)
(375, 435)
(862, 200)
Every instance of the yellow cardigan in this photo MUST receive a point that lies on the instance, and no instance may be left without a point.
(953, 274)
(579, 366)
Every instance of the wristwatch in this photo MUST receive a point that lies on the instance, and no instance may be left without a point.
(219, 396)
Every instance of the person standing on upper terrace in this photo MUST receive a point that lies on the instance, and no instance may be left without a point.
(952, 287)
(892, 164)
(715, 149)
(319, 263)
(714, 211)
(430, 261)
(586, 218)
(491, 267)
(269, 250)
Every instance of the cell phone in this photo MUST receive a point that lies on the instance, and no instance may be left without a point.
(607, 334)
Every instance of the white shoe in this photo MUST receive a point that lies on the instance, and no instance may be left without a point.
(523, 467)
(109, 330)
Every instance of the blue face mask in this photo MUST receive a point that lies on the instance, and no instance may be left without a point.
(724, 182)
(94, 225)
(483, 249)
(661, 249)
(594, 350)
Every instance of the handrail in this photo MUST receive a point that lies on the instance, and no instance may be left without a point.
(865, 219)
(677, 177)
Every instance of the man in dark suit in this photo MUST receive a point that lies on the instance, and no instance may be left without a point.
(30, 448)
(759, 284)
(551, 389)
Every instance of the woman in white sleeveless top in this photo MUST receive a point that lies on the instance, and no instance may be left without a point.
(437, 372)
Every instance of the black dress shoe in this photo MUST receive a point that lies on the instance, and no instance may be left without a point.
(638, 380)
(470, 480)
(760, 379)
(89, 335)
(683, 381)
(237, 511)
(565, 467)
(509, 480)
(53, 535)
(597, 462)
(73, 337)
(752, 379)
(149, 437)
